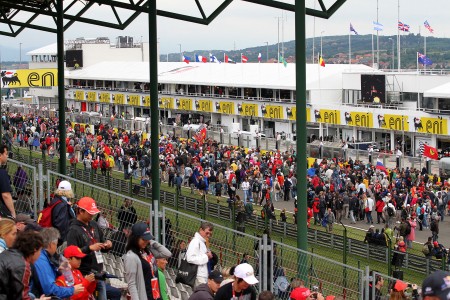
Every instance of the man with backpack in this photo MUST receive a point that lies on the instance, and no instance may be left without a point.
(427, 248)
(59, 212)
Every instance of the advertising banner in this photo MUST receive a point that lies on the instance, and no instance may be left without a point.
(359, 119)
(133, 100)
(248, 109)
(184, 104)
(291, 113)
(327, 116)
(393, 122)
(79, 95)
(29, 78)
(166, 102)
(104, 97)
(118, 99)
(204, 105)
(272, 111)
(431, 125)
(225, 107)
(91, 96)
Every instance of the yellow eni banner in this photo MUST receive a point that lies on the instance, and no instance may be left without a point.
(91, 96)
(133, 100)
(225, 107)
(360, 119)
(79, 95)
(393, 122)
(166, 102)
(204, 105)
(272, 111)
(248, 109)
(145, 100)
(431, 125)
(29, 78)
(291, 113)
(118, 99)
(104, 97)
(327, 116)
(184, 103)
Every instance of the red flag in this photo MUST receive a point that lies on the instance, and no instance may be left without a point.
(244, 58)
(430, 152)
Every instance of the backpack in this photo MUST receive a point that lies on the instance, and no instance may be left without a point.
(408, 228)
(425, 249)
(45, 216)
(325, 221)
(233, 180)
(281, 285)
(256, 187)
(103, 165)
(390, 211)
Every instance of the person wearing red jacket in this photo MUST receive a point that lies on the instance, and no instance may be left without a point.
(309, 216)
(316, 210)
(379, 208)
(74, 255)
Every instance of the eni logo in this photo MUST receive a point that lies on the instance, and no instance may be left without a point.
(36, 79)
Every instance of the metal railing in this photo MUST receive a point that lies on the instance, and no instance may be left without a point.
(23, 179)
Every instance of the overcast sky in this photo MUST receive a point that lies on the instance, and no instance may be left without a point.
(244, 24)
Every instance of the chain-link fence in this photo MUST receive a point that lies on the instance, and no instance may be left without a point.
(229, 245)
(380, 286)
(319, 274)
(118, 212)
(23, 183)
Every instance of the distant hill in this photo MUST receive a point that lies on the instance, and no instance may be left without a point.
(335, 50)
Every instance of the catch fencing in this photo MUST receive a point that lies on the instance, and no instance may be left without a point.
(23, 178)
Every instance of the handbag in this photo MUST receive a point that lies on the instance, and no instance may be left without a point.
(186, 273)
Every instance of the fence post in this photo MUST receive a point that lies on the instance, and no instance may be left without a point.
(389, 255)
(108, 184)
(443, 261)
(41, 191)
(131, 186)
(203, 206)
(265, 262)
(344, 258)
(366, 283)
(156, 220)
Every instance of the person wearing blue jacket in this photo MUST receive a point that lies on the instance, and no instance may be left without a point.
(62, 212)
(46, 269)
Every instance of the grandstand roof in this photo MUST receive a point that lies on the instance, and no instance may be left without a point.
(258, 75)
(441, 91)
(46, 50)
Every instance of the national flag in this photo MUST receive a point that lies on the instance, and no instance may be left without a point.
(244, 58)
(186, 59)
(259, 57)
(423, 59)
(428, 151)
(214, 59)
(352, 29)
(403, 27)
(283, 61)
(427, 26)
(228, 60)
(199, 58)
(381, 167)
(321, 61)
(200, 135)
(377, 26)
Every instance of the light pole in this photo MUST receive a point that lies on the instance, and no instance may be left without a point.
(393, 54)
(267, 57)
(179, 45)
(321, 35)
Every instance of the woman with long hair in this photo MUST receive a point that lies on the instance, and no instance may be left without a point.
(62, 212)
(141, 271)
(8, 234)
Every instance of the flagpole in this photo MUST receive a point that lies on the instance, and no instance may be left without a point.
(425, 50)
(318, 66)
(378, 49)
(417, 61)
(349, 48)
(373, 53)
(398, 37)
(314, 36)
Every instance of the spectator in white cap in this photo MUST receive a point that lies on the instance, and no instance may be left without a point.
(241, 287)
(61, 210)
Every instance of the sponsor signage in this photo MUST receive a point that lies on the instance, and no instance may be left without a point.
(431, 125)
(204, 105)
(291, 113)
(118, 99)
(393, 122)
(327, 116)
(225, 107)
(146, 100)
(79, 95)
(272, 111)
(359, 119)
(248, 109)
(29, 78)
(104, 97)
(184, 104)
(91, 96)
(133, 100)
(166, 102)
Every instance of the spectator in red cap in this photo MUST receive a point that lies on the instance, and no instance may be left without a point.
(302, 293)
(74, 255)
(87, 235)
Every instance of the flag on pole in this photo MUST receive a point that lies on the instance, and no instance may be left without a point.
(352, 29)
(228, 60)
(259, 57)
(199, 58)
(321, 61)
(427, 26)
(428, 151)
(213, 59)
(186, 59)
(403, 27)
(377, 26)
(244, 58)
(423, 59)
(381, 167)
(283, 60)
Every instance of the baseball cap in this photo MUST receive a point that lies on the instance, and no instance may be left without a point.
(400, 286)
(64, 186)
(142, 230)
(300, 293)
(245, 271)
(88, 204)
(216, 276)
(24, 218)
(73, 251)
(435, 243)
(437, 284)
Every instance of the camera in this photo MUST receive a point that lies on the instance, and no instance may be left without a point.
(313, 295)
(102, 275)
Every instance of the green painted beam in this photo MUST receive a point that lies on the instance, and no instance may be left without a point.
(61, 93)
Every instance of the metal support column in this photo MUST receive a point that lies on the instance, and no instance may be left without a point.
(154, 113)
(61, 98)
(300, 71)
